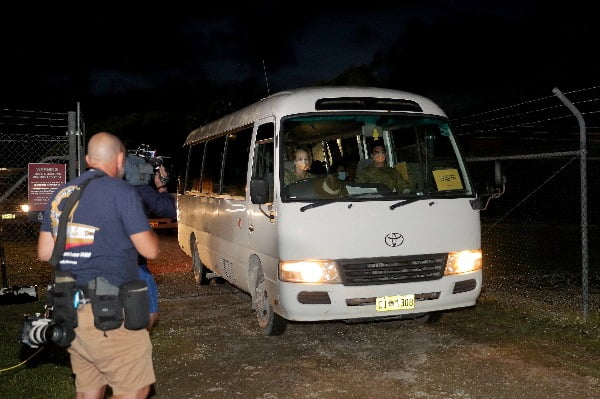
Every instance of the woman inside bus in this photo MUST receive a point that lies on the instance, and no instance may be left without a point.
(302, 162)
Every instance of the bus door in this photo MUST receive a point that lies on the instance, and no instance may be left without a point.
(261, 218)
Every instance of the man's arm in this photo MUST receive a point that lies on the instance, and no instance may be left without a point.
(402, 185)
(146, 243)
(45, 246)
(162, 204)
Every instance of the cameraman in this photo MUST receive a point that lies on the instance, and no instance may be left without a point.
(160, 202)
(107, 230)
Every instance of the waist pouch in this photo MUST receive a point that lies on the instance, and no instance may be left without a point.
(106, 304)
(113, 305)
(136, 304)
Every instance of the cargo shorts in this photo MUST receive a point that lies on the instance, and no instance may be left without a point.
(119, 358)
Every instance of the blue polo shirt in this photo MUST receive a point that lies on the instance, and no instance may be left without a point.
(98, 243)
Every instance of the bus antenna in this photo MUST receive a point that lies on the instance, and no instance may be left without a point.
(266, 78)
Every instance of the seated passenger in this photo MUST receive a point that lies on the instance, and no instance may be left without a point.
(302, 162)
(379, 172)
(340, 172)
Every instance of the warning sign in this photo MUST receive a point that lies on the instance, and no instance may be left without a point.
(43, 179)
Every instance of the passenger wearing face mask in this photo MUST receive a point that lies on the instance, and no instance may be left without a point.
(379, 172)
(302, 162)
(340, 173)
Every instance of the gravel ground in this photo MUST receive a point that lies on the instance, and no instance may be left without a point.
(208, 345)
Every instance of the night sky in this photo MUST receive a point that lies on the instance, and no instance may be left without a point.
(153, 71)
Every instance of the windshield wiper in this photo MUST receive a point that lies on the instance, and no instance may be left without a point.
(317, 204)
(405, 202)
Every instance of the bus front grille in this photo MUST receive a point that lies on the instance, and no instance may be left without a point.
(394, 270)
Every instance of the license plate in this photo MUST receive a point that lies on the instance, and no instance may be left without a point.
(395, 302)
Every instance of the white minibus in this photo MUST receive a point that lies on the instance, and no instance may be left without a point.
(328, 246)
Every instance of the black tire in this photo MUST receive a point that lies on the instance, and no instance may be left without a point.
(429, 318)
(198, 267)
(270, 323)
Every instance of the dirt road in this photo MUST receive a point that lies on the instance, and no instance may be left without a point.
(208, 346)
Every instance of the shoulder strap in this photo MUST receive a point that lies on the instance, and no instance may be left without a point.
(61, 237)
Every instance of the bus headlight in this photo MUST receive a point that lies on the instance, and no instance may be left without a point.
(309, 271)
(463, 262)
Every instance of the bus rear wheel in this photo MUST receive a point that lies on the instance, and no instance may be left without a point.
(198, 268)
(269, 322)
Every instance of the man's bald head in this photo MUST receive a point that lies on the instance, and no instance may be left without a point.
(107, 153)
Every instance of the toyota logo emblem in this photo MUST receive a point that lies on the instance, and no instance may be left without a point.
(394, 239)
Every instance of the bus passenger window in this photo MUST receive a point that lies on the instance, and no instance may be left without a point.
(194, 167)
(211, 175)
(235, 169)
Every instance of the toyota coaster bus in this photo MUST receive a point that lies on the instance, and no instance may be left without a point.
(328, 249)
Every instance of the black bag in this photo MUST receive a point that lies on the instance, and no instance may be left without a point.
(106, 304)
(136, 304)
(64, 315)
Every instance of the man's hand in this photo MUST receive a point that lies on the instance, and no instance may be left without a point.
(161, 177)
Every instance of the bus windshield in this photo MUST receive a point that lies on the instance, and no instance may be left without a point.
(369, 156)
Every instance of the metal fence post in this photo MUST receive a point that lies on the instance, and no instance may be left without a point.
(72, 132)
(80, 142)
(583, 178)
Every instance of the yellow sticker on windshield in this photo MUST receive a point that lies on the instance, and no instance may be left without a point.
(447, 179)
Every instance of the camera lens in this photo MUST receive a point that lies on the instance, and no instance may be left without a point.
(39, 331)
(62, 336)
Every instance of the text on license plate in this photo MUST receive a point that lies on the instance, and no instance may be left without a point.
(394, 302)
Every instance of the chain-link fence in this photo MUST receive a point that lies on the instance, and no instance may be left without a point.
(18, 152)
(544, 230)
(28, 137)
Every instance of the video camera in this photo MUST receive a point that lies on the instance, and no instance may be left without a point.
(60, 317)
(38, 330)
(142, 163)
(144, 151)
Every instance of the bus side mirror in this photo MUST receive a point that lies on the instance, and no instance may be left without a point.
(259, 191)
(499, 177)
(483, 199)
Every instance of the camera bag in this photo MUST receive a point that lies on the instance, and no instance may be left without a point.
(136, 304)
(106, 304)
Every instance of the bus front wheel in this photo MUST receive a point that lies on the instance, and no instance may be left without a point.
(269, 322)
(429, 318)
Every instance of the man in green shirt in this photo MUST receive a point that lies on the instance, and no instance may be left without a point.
(379, 172)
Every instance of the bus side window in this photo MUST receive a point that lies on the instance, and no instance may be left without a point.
(235, 169)
(213, 160)
(263, 165)
(194, 167)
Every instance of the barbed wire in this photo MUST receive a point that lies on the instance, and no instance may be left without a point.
(524, 103)
(533, 119)
(22, 118)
